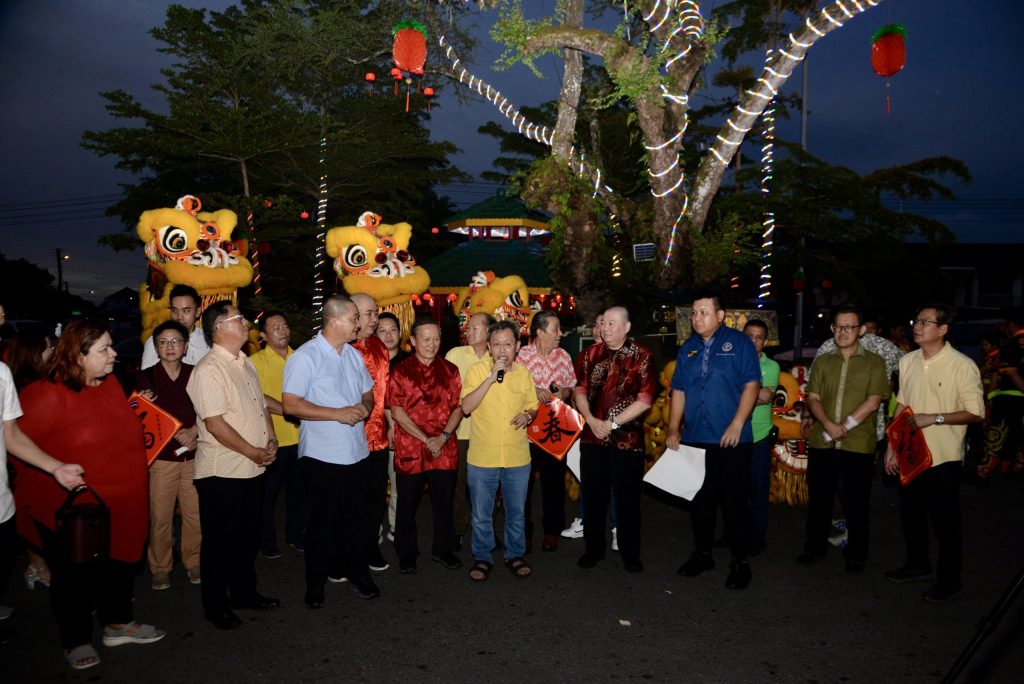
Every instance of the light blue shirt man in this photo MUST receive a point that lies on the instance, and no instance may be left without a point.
(319, 374)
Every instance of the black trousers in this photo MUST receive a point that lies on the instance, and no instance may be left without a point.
(460, 503)
(410, 492)
(726, 484)
(552, 485)
(8, 539)
(284, 471)
(935, 495)
(108, 587)
(229, 516)
(828, 469)
(604, 470)
(376, 499)
(335, 536)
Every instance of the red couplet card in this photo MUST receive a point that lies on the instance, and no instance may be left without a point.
(555, 428)
(908, 443)
(158, 426)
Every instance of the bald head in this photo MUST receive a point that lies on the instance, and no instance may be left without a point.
(615, 327)
(367, 314)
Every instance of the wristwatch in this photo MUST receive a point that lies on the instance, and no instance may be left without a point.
(615, 426)
(940, 419)
(446, 435)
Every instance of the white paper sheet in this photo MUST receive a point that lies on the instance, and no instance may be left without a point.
(679, 472)
(572, 459)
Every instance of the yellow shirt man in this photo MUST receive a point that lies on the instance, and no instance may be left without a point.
(494, 441)
(270, 369)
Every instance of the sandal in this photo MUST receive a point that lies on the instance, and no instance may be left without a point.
(135, 633)
(480, 571)
(82, 657)
(518, 567)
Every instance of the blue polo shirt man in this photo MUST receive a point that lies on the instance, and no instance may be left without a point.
(326, 385)
(715, 387)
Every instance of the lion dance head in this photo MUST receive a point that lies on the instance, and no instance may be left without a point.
(187, 246)
(373, 258)
(504, 298)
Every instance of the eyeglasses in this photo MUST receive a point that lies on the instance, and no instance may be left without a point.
(231, 318)
(844, 328)
(923, 321)
(170, 342)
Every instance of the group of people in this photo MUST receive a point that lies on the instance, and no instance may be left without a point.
(332, 422)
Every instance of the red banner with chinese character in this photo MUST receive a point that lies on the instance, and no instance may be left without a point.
(158, 426)
(555, 428)
(908, 443)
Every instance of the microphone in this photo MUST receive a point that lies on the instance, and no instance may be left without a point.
(500, 377)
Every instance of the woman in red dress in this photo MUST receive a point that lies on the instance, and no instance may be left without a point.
(79, 412)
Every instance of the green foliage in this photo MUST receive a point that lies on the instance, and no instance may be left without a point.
(512, 30)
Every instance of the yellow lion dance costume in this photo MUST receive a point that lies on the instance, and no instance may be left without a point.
(504, 298)
(189, 247)
(373, 258)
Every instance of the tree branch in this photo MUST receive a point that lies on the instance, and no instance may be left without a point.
(731, 135)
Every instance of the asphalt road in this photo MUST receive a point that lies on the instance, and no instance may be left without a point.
(564, 624)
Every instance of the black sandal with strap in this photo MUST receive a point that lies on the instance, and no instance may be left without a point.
(518, 567)
(480, 571)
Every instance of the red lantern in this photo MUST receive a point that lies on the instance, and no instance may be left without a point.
(268, 204)
(434, 230)
(304, 215)
(263, 249)
(888, 54)
(410, 47)
(370, 77)
(428, 92)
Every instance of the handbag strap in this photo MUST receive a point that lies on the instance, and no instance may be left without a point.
(82, 489)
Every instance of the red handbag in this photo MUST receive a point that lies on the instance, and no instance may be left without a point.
(83, 528)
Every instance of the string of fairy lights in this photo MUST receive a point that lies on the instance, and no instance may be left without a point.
(691, 25)
(321, 224)
(764, 288)
(779, 68)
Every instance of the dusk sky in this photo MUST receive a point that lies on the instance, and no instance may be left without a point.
(959, 95)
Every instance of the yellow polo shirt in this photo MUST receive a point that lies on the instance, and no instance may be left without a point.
(494, 442)
(270, 367)
(464, 358)
(945, 383)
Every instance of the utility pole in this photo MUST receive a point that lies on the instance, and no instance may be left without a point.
(60, 269)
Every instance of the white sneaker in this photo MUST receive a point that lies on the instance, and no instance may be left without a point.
(839, 539)
(575, 530)
(615, 539)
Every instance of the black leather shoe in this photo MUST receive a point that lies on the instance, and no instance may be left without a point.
(632, 565)
(407, 566)
(589, 560)
(257, 602)
(809, 558)
(364, 589)
(225, 620)
(739, 575)
(698, 563)
(314, 599)
(449, 560)
(854, 567)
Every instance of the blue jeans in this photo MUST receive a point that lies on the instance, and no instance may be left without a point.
(483, 485)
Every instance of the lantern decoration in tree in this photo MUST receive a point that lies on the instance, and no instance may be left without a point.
(396, 74)
(888, 55)
(428, 92)
(370, 78)
(409, 51)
